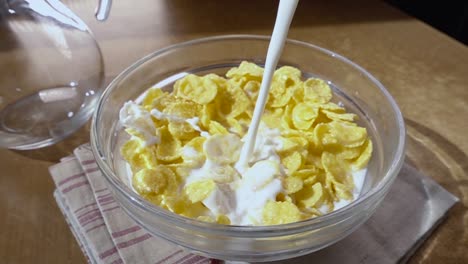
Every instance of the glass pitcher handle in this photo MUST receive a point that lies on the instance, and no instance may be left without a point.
(103, 9)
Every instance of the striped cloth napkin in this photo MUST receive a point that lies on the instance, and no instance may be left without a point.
(104, 231)
(106, 234)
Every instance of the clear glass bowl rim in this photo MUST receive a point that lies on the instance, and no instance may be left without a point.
(245, 231)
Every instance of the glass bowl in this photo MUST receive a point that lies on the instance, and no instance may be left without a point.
(354, 87)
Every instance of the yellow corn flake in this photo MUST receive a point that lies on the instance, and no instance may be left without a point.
(170, 148)
(232, 101)
(223, 220)
(240, 82)
(303, 115)
(192, 152)
(251, 88)
(340, 116)
(206, 218)
(322, 135)
(285, 78)
(292, 184)
(345, 153)
(183, 206)
(182, 130)
(280, 100)
(199, 190)
(223, 149)
(311, 180)
(317, 90)
(151, 95)
(305, 173)
(335, 166)
(135, 133)
(137, 156)
(153, 198)
(157, 181)
(315, 160)
(292, 133)
(287, 73)
(272, 118)
(130, 148)
(198, 89)
(223, 174)
(276, 213)
(338, 177)
(277, 88)
(282, 197)
(146, 181)
(183, 170)
(305, 111)
(298, 95)
(196, 143)
(247, 70)
(361, 162)
(173, 203)
(148, 156)
(220, 81)
(235, 127)
(332, 107)
(347, 134)
(339, 188)
(220, 219)
(208, 113)
(161, 102)
(288, 145)
(339, 133)
(286, 121)
(309, 197)
(182, 109)
(215, 128)
(292, 162)
(244, 120)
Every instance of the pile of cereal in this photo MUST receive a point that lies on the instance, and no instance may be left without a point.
(184, 146)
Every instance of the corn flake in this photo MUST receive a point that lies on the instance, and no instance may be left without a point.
(201, 90)
(200, 190)
(232, 101)
(247, 70)
(303, 115)
(317, 90)
(292, 162)
(215, 128)
(223, 149)
(151, 95)
(309, 197)
(276, 213)
(293, 184)
(157, 181)
(170, 148)
(361, 162)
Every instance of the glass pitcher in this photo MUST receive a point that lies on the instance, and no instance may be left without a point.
(51, 72)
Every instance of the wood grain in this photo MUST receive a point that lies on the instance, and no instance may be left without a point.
(425, 70)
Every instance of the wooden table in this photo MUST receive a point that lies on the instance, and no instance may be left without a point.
(426, 72)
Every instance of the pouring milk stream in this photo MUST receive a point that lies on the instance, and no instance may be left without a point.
(284, 17)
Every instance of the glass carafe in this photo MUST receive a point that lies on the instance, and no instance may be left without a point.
(52, 72)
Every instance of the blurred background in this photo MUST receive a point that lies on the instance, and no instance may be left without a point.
(450, 17)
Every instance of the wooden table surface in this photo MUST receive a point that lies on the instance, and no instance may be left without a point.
(426, 72)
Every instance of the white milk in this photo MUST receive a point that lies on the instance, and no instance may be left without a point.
(283, 20)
